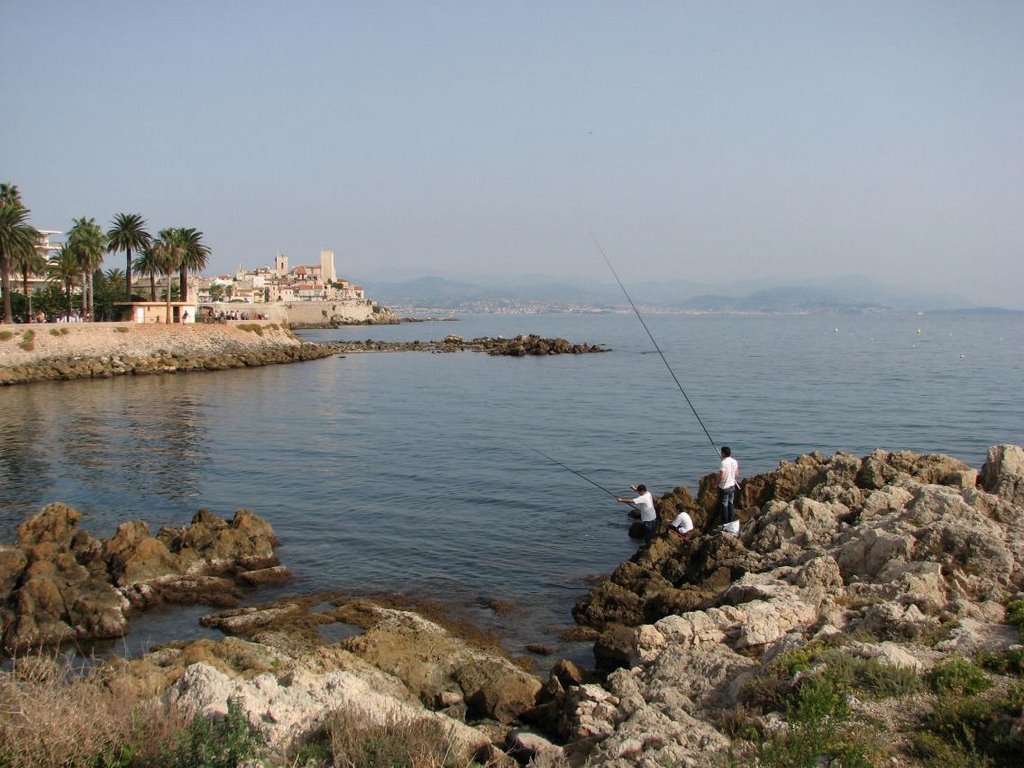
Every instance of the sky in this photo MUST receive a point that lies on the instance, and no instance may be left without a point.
(708, 141)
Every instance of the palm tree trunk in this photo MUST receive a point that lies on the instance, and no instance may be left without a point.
(183, 285)
(67, 301)
(5, 286)
(128, 275)
(152, 286)
(168, 298)
(24, 282)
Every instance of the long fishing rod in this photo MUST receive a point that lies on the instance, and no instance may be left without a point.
(655, 343)
(578, 474)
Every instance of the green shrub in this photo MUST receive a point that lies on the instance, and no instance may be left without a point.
(122, 329)
(980, 728)
(1010, 662)
(869, 676)
(1015, 614)
(960, 676)
(815, 717)
(6, 335)
(216, 743)
(933, 752)
(799, 659)
(251, 327)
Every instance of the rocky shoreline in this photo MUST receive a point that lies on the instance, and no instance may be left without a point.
(103, 350)
(867, 578)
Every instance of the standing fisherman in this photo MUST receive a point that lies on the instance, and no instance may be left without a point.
(645, 504)
(728, 475)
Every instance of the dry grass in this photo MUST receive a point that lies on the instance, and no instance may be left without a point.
(352, 740)
(51, 716)
(27, 342)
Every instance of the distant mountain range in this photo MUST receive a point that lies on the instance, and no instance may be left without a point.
(532, 293)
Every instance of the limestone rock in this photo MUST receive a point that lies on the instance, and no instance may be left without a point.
(288, 707)
(430, 662)
(1003, 473)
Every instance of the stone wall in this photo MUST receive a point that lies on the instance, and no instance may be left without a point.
(313, 312)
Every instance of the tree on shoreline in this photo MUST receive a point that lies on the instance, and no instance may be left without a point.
(88, 244)
(195, 254)
(17, 239)
(145, 265)
(31, 262)
(127, 233)
(168, 252)
(62, 268)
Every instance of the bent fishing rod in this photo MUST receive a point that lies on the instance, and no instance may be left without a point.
(655, 343)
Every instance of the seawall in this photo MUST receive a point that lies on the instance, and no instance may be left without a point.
(100, 350)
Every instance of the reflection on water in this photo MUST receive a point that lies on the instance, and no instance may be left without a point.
(406, 473)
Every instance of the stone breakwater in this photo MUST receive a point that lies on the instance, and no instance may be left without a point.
(49, 352)
(101, 350)
(519, 346)
(895, 563)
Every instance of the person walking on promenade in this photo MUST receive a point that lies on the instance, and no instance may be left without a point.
(644, 503)
(728, 474)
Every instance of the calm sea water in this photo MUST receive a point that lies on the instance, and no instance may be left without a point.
(413, 472)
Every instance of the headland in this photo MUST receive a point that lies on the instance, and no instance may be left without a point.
(869, 613)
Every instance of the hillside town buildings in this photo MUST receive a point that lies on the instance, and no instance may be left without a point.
(269, 284)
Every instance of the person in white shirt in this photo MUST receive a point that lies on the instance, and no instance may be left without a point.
(644, 504)
(681, 525)
(728, 474)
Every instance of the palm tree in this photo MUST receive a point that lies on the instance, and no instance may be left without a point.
(127, 233)
(17, 238)
(30, 262)
(195, 257)
(88, 244)
(62, 268)
(167, 253)
(145, 265)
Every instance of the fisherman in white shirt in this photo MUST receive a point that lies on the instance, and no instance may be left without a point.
(644, 504)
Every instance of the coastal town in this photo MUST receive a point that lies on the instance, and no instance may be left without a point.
(59, 280)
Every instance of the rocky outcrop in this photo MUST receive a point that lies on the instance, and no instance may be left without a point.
(520, 346)
(895, 557)
(61, 583)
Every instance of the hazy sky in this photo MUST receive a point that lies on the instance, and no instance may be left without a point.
(700, 140)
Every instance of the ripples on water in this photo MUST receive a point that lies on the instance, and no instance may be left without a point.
(407, 472)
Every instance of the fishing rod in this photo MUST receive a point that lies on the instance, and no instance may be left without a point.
(578, 474)
(655, 343)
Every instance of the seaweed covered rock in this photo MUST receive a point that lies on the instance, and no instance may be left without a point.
(60, 583)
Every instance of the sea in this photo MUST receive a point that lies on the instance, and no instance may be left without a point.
(482, 481)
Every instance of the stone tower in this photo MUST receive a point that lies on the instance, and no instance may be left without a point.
(327, 273)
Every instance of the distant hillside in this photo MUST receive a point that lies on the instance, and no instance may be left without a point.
(847, 294)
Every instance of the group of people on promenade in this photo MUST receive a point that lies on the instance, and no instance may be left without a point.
(728, 485)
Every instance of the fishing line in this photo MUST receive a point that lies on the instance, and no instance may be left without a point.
(655, 343)
(578, 474)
